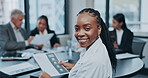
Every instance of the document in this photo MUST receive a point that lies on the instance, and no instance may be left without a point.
(126, 56)
(41, 39)
(49, 64)
(19, 68)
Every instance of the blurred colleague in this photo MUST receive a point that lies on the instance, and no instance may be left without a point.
(12, 36)
(121, 36)
(42, 29)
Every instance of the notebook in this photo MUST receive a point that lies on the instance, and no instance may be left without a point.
(126, 56)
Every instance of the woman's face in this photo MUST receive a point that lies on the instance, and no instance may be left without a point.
(116, 24)
(41, 25)
(87, 29)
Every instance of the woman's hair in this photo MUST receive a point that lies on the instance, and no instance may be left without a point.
(46, 19)
(104, 34)
(120, 18)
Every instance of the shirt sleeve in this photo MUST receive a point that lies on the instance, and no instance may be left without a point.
(26, 43)
(95, 71)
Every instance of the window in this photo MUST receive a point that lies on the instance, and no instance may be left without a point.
(53, 9)
(135, 12)
(100, 6)
(6, 6)
(131, 10)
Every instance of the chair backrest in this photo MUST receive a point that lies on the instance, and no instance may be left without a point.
(138, 46)
(63, 39)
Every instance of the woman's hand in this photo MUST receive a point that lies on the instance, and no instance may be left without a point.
(115, 44)
(56, 45)
(67, 65)
(38, 47)
(30, 39)
(44, 75)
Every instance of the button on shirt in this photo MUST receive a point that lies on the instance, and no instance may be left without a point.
(93, 63)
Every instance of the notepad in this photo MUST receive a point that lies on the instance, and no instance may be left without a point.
(126, 56)
(49, 64)
(19, 68)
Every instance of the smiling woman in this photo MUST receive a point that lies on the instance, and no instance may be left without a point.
(98, 59)
(86, 30)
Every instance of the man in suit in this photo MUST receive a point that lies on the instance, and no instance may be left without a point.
(13, 37)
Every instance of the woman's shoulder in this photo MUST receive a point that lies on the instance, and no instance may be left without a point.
(34, 32)
(128, 31)
(50, 31)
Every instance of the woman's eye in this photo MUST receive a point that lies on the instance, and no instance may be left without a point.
(87, 28)
(76, 28)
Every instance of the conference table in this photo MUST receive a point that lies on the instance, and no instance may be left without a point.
(125, 67)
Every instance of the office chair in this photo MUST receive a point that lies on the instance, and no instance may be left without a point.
(138, 46)
(63, 39)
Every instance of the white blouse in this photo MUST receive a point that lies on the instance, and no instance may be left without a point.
(119, 36)
(93, 63)
(44, 32)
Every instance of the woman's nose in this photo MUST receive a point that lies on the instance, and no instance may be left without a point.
(81, 33)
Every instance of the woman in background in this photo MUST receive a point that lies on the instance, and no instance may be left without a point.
(42, 29)
(121, 36)
(98, 59)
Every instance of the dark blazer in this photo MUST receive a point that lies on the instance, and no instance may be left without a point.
(8, 40)
(126, 42)
(53, 40)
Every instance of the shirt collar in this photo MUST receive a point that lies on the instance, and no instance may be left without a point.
(119, 30)
(45, 32)
(92, 48)
(13, 26)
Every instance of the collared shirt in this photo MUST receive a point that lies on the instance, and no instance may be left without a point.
(119, 36)
(93, 63)
(18, 34)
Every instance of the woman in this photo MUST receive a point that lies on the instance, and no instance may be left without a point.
(98, 59)
(43, 28)
(122, 37)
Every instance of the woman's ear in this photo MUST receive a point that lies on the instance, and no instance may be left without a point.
(121, 23)
(99, 29)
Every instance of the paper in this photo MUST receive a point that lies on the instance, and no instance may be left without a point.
(41, 39)
(19, 68)
(30, 50)
(49, 64)
(126, 56)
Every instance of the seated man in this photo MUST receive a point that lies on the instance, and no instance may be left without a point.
(13, 37)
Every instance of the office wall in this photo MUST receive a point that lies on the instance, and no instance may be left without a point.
(74, 7)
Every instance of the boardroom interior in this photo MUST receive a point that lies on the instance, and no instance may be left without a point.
(62, 14)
